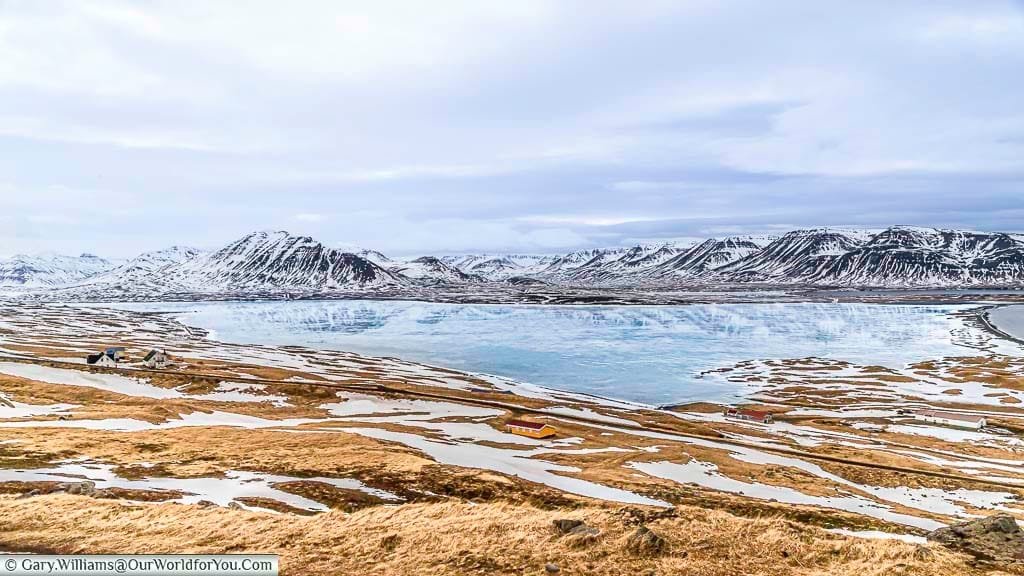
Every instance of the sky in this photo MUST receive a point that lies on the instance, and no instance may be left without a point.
(519, 126)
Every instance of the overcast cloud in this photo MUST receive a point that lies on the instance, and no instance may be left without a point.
(534, 126)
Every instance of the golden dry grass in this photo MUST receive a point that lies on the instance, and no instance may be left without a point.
(461, 538)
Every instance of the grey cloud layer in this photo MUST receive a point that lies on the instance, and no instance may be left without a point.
(530, 126)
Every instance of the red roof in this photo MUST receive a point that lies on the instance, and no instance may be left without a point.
(744, 413)
(526, 424)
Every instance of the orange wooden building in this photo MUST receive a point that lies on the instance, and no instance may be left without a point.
(531, 429)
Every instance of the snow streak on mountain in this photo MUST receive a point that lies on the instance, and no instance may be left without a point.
(275, 260)
(432, 269)
(896, 257)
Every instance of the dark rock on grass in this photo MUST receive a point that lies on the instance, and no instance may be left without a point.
(585, 531)
(577, 532)
(582, 536)
(997, 538)
(646, 542)
(552, 568)
(83, 488)
(565, 526)
(390, 542)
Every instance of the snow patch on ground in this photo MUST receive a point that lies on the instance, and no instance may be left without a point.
(512, 462)
(222, 491)
(108, 382)
(202, 419)
(11, 409)
(953, 434)
(879, 535)
(706, 475)
(588, 414)
(242, 392)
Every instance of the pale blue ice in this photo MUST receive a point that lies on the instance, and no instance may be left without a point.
(650, 354)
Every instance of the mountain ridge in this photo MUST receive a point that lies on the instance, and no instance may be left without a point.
(269, 262)
(49, 270)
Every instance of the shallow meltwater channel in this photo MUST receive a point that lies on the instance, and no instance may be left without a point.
(650, 354)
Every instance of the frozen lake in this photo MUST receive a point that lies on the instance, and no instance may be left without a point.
(645, 354)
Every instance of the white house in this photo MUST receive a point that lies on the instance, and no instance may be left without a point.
(971, 421)
(101, 359)
(155, 359)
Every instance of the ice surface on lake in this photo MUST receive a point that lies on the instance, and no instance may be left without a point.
(651, 354)
(1009, 319)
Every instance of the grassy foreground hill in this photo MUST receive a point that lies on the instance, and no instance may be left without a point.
(467, 538)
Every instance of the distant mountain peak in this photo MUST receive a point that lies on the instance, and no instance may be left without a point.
(374, 256)
(49, 270)
(278, 260)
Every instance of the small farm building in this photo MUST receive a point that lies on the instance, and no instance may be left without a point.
(101, 359)
(531, 429)
(752, 415)
(116, 353)
(155, 359)
(972, 421)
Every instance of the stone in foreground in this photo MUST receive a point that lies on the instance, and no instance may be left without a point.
(997, 538)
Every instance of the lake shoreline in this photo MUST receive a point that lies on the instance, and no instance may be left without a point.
(1012, 328)
(556, 295)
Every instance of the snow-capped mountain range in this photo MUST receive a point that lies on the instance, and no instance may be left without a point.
(278, 263)
(499, 266)
(48, 270)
